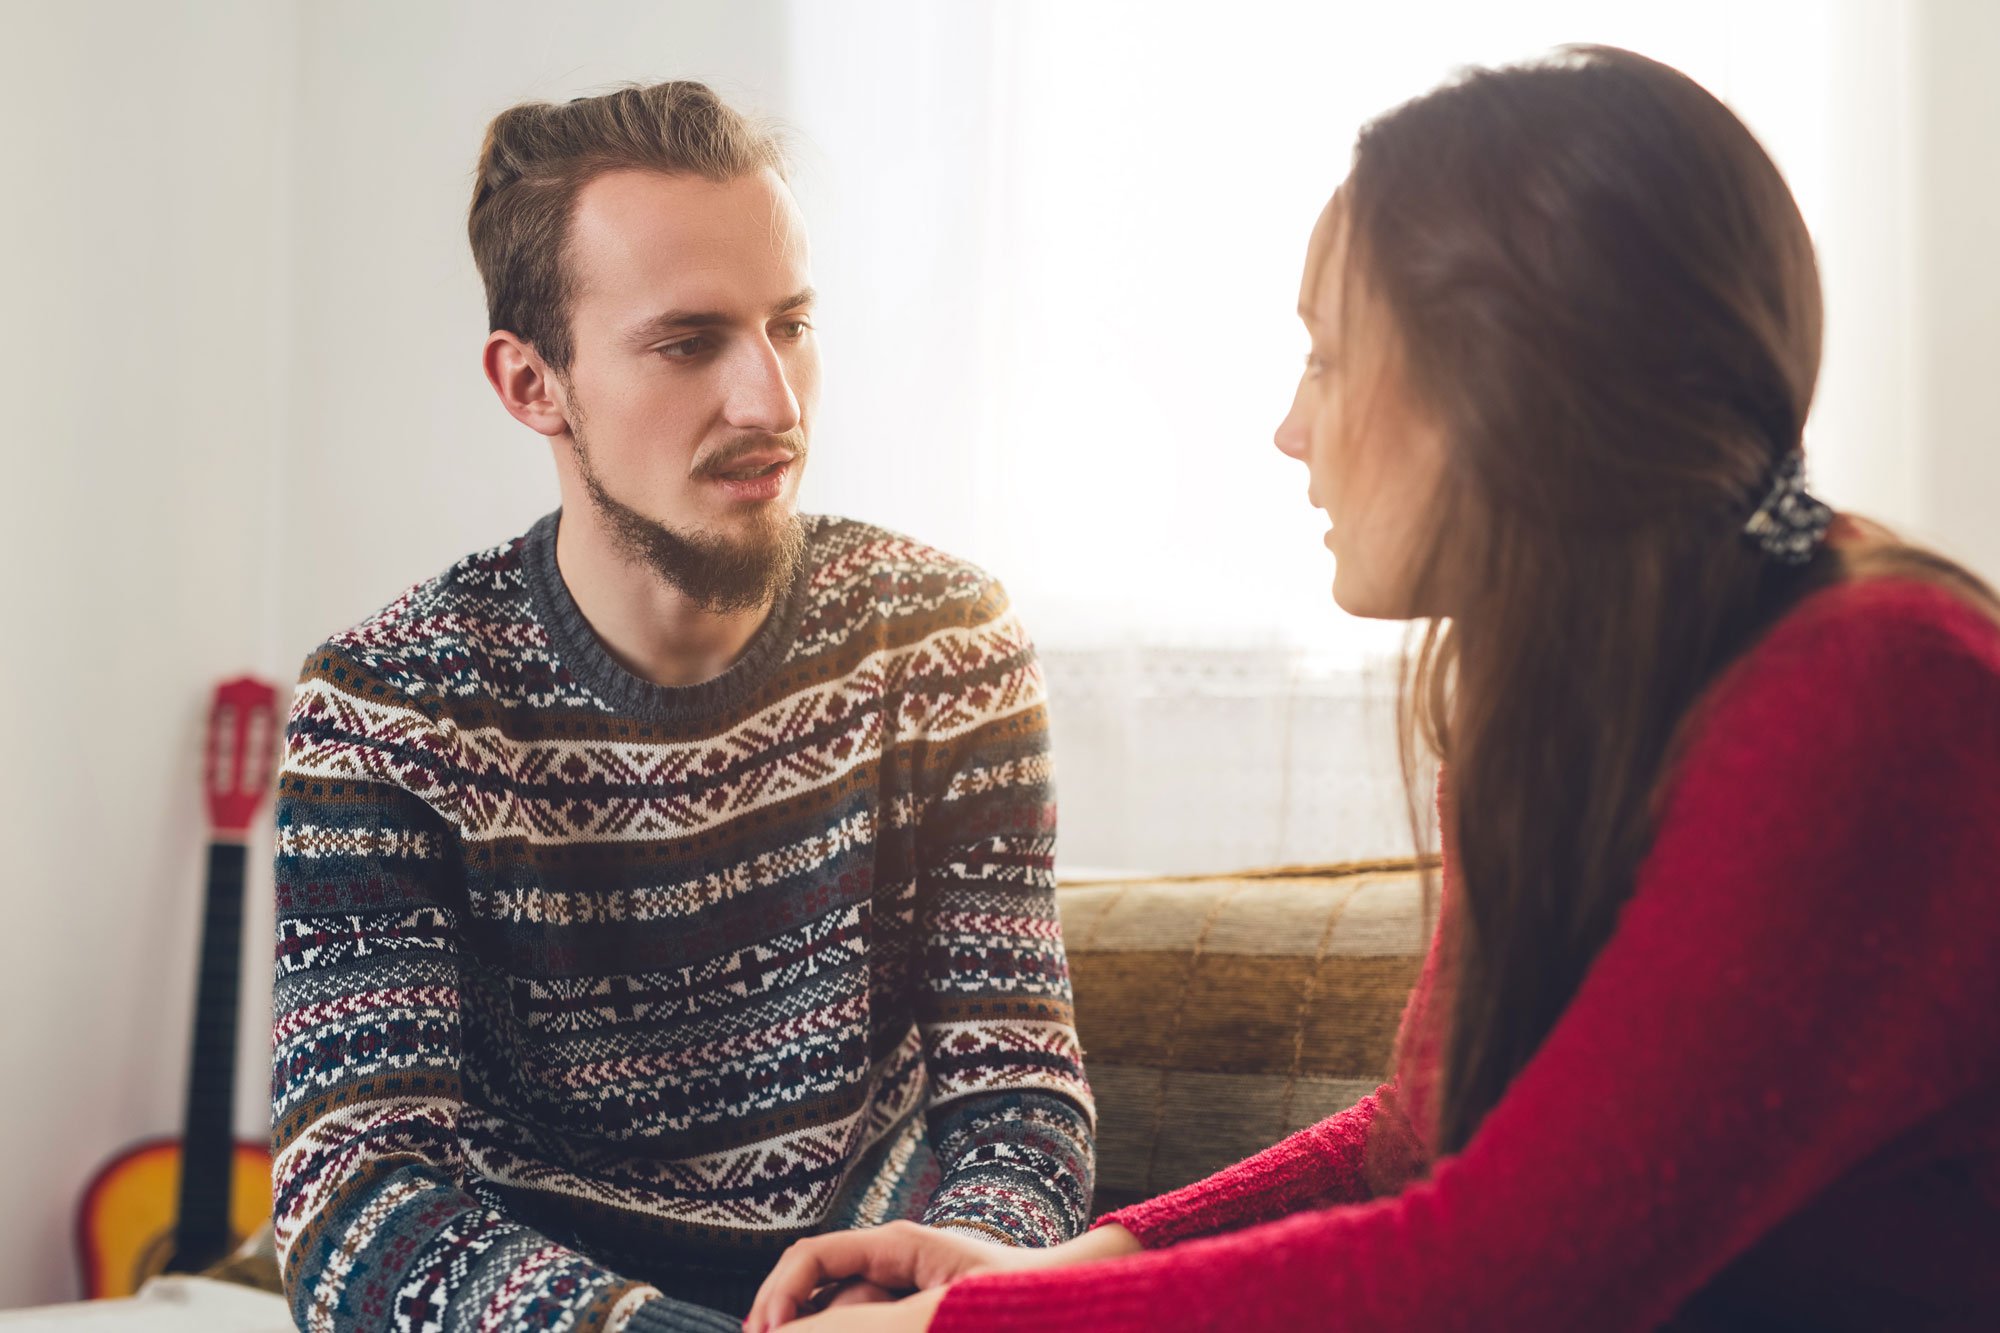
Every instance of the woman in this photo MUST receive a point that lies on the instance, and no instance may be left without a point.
(1710, 1030)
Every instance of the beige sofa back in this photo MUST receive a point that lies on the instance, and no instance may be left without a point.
(1219, 1014)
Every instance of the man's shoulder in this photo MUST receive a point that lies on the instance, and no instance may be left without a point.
(863, 571)
(432, 638)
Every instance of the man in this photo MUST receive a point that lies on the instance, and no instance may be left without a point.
(672, 881)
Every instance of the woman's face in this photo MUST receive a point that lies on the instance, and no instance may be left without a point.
(1373, 455)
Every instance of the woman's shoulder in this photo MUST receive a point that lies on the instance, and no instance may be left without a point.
(1890, 629)
(1873, 664)
(1846, 768)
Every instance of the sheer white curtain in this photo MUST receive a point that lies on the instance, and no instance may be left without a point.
(1060, 246)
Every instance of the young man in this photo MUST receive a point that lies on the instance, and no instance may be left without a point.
(672, 881)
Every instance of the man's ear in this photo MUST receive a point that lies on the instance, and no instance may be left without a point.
(526, 386)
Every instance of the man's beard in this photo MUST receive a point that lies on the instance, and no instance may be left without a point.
(717, 573)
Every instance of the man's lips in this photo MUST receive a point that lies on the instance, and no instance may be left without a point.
(753, 482)
(750, 466)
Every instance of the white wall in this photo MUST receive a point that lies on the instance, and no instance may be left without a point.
(1957, 264)
(141, 249)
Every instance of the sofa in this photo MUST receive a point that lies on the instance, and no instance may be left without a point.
(1220, 1013)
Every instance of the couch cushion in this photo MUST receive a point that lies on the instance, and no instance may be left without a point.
(1219, 1014)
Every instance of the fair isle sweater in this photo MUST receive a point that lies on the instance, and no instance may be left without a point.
(592, 994)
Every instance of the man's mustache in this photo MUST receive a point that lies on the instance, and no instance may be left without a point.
(729, 457)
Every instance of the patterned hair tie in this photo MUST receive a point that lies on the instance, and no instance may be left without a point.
(1790, 524)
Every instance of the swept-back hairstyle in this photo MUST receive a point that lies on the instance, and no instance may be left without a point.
(538, 155)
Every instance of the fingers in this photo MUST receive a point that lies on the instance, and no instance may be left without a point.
(909, 1315)
(858, 1291)
(810, 1264)
(790, 1284)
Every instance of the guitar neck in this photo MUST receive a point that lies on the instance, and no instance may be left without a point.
(206, 1137)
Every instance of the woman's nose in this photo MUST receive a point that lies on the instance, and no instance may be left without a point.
(1292, 435)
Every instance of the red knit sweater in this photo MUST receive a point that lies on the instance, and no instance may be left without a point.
(1774, 1102)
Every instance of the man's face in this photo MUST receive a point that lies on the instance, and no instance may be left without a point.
(694, 378)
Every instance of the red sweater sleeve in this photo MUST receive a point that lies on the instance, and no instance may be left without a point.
(1809, 968)
(1318, 1166)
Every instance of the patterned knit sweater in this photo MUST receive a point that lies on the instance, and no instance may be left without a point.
(592, 995)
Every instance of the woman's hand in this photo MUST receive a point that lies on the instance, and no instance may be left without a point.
(903, 1256)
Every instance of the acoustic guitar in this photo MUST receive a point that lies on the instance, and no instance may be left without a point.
(182, 1205)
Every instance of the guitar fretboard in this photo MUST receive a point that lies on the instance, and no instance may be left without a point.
(207, 1146)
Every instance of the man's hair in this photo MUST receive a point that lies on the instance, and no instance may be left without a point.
(539, 155)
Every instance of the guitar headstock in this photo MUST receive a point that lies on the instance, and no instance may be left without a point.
(240, 760)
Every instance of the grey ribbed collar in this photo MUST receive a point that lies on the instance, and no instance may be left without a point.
(577, 645)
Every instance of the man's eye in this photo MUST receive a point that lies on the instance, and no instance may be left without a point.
(682, 350)
(794, 328)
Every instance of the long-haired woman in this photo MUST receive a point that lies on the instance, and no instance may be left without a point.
(1709, 1033)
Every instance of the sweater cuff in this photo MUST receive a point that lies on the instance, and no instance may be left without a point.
(997, 1208)
(1135, 1220)
(664, 1314)
(1016, 1166)
(1323, 1164)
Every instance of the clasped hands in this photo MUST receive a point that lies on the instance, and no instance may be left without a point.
(851, 1277)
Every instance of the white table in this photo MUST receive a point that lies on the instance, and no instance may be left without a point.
(173, 1304)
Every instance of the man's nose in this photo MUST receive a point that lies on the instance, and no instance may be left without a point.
(760, 393)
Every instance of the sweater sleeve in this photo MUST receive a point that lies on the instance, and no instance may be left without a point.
(377, 1224)
(1010, 1114)
(1809, 967)
(1319, 1166)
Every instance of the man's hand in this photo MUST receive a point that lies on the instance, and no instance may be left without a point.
(902, 1256)
(905, 1316)
(858, 1291)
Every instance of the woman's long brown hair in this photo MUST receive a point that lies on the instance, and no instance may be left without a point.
(1604, 295)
